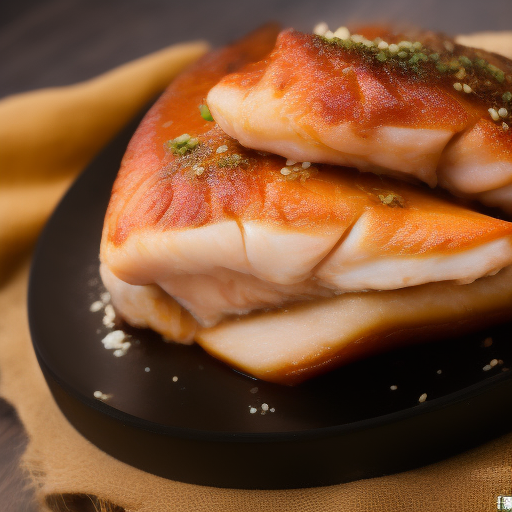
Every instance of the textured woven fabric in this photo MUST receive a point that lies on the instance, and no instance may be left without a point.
(47, 137)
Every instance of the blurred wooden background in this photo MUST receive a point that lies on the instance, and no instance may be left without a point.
(47, 43)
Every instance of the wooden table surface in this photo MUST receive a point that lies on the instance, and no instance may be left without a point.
(58, 42)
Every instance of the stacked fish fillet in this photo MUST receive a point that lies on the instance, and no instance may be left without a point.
(277, 204)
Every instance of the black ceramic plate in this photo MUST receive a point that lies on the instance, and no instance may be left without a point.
(201, 427)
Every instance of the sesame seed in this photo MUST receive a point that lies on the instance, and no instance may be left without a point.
(114, 340)
(393, 48)
(305, 165)
(110, 315)
(147, 369)
(487, 367)
(253, 390)
(291, 162)
(342, 33)
(466, 88)
(405, 44)
(357, 38)
(97, 394)
(457, 86)
(198, 170)
(383, 45)
(100, 396)
(439, 372)
(285, 171)
(417, 45)
(504, 126)
(264, 407)
(272, 409)
(494, 114)
(175, 378)
(329, 35)
(393, 387)
(96, 306)
(503, 112)
(105, 297)
(320, 29)
(422, 398)
(222, 149)
(253, 410)
(494, 362)
(460, 74)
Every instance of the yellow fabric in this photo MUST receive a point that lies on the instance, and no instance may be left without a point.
(46, 138)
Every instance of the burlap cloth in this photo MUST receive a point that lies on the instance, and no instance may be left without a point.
(47, 137)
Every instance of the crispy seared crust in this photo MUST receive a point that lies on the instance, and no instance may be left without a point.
(157, 190)
(319, 100)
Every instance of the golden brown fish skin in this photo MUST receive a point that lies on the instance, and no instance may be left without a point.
(161, 191)
(403, 96)
(312, 68)
(399, 113)
(175, 113)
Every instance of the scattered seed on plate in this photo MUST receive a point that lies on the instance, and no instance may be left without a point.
(115, 341)
(101, 396)
(110, 315)
(96, 306)
(393, 387)
(422, 398)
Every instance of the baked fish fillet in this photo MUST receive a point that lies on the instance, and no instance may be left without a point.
(413, 105)
(201, 230)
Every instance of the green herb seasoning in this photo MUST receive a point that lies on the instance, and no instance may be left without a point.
(182, 145)
(205, 113)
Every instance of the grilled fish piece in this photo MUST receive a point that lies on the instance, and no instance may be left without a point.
(416, 106)
(291, 345)
(201, 230)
